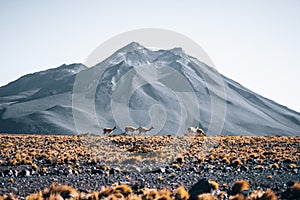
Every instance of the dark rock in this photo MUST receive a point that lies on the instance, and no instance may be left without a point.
(202, 186)
(290, 183)
(192, 169)
(170, 170)
(8, 172)
(244, 168)
(15, 190)
(24, 173)
(112, 171)
(97, 171)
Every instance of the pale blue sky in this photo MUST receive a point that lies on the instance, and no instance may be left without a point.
(254, 42)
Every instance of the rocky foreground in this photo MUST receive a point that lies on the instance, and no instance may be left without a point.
(156, 167)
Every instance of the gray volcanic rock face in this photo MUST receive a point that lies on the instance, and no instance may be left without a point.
(42, 102)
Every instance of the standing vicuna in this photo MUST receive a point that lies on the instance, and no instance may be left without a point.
(196, 130)
(130, 129)
(144, 130)
(192, 130)
(200, 132)
(109, 130)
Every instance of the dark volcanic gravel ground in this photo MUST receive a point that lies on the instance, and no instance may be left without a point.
(28, 181)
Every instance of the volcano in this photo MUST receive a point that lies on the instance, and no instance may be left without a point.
(167, 89)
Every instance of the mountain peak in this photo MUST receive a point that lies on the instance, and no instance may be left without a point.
(131, 47)
(134, 45)
(177, 50)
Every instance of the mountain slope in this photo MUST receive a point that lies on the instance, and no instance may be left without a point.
(165, 88)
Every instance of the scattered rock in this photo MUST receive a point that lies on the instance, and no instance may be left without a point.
(24, 173)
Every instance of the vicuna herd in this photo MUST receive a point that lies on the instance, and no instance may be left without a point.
(143, 130)
(129, 129)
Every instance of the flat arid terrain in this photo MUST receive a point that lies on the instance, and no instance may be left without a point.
(150, 167)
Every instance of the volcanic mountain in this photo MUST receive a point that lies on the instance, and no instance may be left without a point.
(167, 89)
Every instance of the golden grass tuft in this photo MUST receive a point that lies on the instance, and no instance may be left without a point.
(206, 196)
(36, 196)
(255, 195)
(35, 167)
(181, 193)
(237, 197)
(175, 166)
(236, 162)
(105, 192)
(150, 194)
(8, 197)
(201, 160)
(258, 167)
(226, 160)
(274, 166)
(63, 190)
(124, 189)
(269, 195)
(239, 186)
(211, 157)
(293, 166)
(91, 196)
(214, 185)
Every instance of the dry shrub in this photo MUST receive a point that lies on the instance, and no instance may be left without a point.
(201, 160)
(274, 166)
(8, 197)
(293, 166)
(150, 194)
(124, 189)
(91, 196)
(214, 185)
(255, 195)
(239, 186)
(35, 167)
(62, 190)
(237, 197)
(236, 162)
(55, 197)
(206, 196)
(269, 195)
(105, 192)
(258, 167)
(226, 160)
(181, 193)
(164, 192)
(36, 196)
(175, 166)
(261, 195)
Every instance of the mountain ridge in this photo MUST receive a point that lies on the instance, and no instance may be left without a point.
(43, 103)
